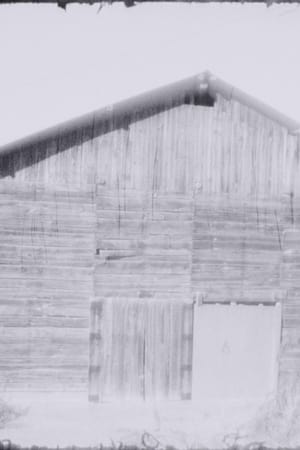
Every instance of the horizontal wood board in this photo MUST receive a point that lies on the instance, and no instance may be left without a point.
(46, 282)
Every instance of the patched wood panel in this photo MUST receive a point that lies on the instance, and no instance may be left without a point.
(144, 244)
(237, 249)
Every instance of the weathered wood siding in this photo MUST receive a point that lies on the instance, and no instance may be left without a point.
(290, 358)
(225, 149)
(140, 350)
(185, 204)
(237, 250)
(144, 245)
(142, 286)
(46, 267)
(248, 251)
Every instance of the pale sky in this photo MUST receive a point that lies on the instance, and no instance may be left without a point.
(56, 65)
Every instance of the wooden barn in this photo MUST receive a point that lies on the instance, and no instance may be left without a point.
(151, 249)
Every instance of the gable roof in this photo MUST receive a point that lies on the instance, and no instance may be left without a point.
(201, 89)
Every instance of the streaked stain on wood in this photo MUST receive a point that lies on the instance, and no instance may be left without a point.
(189, 204)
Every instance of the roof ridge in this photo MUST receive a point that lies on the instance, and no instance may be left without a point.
(203, 87)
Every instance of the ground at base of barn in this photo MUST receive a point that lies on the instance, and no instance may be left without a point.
(68, 419)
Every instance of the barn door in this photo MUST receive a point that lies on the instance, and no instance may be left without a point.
(140, 350)
(235, 351)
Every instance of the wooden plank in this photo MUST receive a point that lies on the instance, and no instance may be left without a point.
(95, 361)
(141, 350)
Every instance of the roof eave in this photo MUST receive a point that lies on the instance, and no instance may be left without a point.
(160, 98)
(205, 87)
(229, 92)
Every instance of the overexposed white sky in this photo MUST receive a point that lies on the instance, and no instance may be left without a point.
(55, 65)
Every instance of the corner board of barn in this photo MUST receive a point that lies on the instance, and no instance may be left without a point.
(152, 250)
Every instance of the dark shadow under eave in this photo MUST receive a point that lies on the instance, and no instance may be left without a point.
(44, 146)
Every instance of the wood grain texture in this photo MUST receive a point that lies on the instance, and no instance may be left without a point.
(140, 350)
(237, 249)
(192, 203)
(143, 244)
(142, 283)
(46, 274)
(229, 149)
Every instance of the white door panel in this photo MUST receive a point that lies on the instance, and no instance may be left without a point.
(235, 351)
